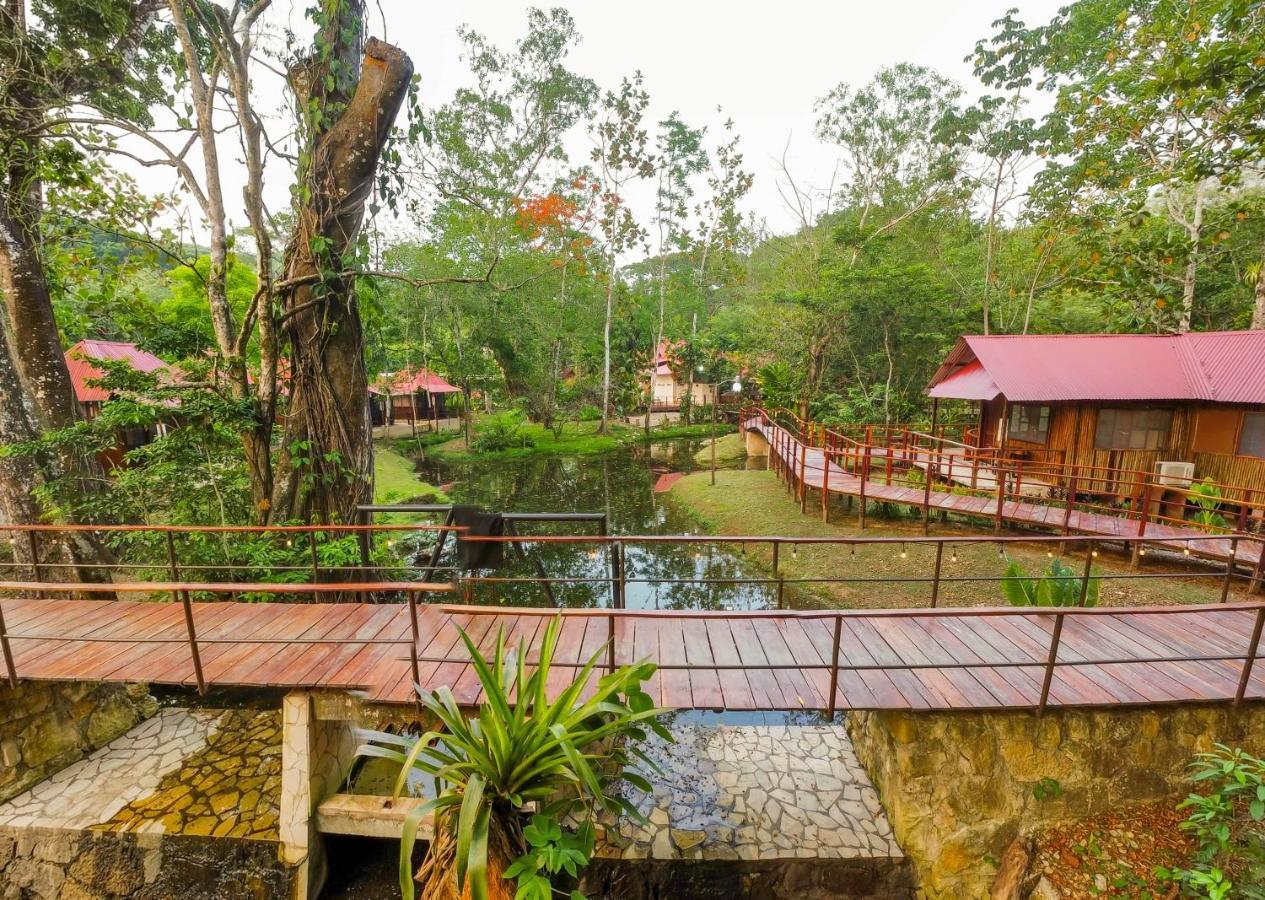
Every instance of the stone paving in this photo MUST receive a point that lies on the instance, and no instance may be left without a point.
(755, 792)
(183, 771)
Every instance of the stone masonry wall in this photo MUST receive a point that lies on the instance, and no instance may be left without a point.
(959, 787)
(62, 864)
(45, 727)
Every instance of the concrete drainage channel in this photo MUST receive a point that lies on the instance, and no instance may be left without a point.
(201, 803)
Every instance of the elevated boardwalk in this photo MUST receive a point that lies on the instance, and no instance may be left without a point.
(901, 659)
(790, 454)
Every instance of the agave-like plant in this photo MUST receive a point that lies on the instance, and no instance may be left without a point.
(565, 756)
(1059, 585)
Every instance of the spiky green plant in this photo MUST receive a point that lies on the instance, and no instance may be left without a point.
(564, 755)
(1059, 585)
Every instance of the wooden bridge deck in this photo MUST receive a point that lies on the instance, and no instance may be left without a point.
(887, 659)
(1030, 511)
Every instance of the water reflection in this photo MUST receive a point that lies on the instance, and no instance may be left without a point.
(620, 485)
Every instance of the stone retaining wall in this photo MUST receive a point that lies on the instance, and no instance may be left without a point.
(46, 726)
(63, 864)
(959, 787)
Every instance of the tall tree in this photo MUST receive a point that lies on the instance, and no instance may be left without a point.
(622, 156)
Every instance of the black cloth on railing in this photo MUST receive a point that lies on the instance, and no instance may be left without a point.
(481, 523)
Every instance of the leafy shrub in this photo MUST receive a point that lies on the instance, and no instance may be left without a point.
(1059, 585)
(590, 413)
(1228, 823)
(1207, 497)
(502, 432)
(567, 755)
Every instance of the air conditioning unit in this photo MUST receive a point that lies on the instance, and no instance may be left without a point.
(1177, 474)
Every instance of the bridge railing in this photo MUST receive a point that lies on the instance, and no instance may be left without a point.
(182, 592)
(808, 455)
(1048, 663)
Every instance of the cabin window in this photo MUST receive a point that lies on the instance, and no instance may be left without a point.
(1132, 429)
(1252, 437)
(1029, 422)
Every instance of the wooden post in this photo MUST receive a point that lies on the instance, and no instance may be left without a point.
(777, 546)
(926, 497)
(1258, 573)
(1089, 567)
(617, 561)
(1144, 513)
(610, 642)
(935, 577)
(825, 484)
(1001, 498)
(1229, 569)
(834, 667)
(803, 472)
(1067, 507)
(715, 403)
(781, 592)
(37, 571)
(1050, 662)
(1252, 647)
(9, 665)
(193, 641)
(416, 636)
(865, 469)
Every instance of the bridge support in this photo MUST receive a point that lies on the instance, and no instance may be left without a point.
(755, 443)
(317, 752)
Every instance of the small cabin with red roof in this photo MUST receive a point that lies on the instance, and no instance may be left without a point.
(669, 389)
(82, 359)
(410, 395)
(1118, 402)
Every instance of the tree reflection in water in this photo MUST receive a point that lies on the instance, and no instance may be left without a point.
(620, 484)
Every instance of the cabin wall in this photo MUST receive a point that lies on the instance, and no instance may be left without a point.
(1205, 434)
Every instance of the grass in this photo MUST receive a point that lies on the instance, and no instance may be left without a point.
(756, 502)
(395, 481)
(577, 439)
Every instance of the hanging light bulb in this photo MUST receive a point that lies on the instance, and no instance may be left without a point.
(1050, 554)
(954, 555)
(289, 542)
(1141, 551)
(854, 549)
(903, 553)
(1095, 553)
(1186, 550)
(795, 551)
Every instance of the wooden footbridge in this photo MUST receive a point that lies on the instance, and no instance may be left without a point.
(960, 480)
(397, 634)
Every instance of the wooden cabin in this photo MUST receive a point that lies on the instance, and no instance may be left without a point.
(411, 395)
(669, 388)
(80, 360)
(1118, 402)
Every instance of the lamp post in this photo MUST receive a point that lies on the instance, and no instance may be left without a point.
(715, 386)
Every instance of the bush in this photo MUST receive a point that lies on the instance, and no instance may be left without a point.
(1207, 497)
(1228, 822)
(1059, 585)
(502, 432)
(590, 413)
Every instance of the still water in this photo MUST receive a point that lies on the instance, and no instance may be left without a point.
(620, 485)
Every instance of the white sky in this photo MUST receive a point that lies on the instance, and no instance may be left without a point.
(764, 63)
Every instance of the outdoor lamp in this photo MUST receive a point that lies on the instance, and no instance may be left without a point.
(737, 388)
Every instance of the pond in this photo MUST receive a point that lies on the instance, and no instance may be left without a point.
(621, 485)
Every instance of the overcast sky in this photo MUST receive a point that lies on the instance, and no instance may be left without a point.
(764, 63)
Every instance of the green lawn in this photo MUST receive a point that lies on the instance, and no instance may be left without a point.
(577, 439)
(756, 503)
(729, 449)
(395, 481)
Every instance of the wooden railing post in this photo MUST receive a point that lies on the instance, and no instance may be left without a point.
(37, 571)
(1144, 512)
(363, 518)
(803, 472)
(777, 548)
(935, 576)
(926, 497)
(610, 642)
(825, 484)
(316, 565)
(1229, 569)
(1252, 647)
(1067, 507)
(416, 636)
(621, 576)
(193, 641)
(9, 665)
(781, 592)
(1258, 573)
(834, 667)
(1001, 499)
(865, 471)
(1050, 661)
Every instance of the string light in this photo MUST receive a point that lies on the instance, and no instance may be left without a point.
(1050, 554)
(794, 551)
(954, 555)
(1094, 552)
(903, 553)
(1141, 551)
(1186, 550)
(854, 549)
(289, 542)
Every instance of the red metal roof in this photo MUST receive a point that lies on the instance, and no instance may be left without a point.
(1217, 366)
(79, 361)
(411, 381)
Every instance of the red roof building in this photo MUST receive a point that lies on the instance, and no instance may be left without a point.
(409, 395)
(80, 357)
(1118, 402)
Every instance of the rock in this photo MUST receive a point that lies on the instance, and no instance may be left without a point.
(686, 839)
(1045, 891)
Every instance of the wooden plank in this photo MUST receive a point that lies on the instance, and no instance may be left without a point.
(677, 684)
(734, 684)
(764, 685)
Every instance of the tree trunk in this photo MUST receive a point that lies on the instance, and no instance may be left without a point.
(1258, 309)
(606, 345)
(328, 415)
